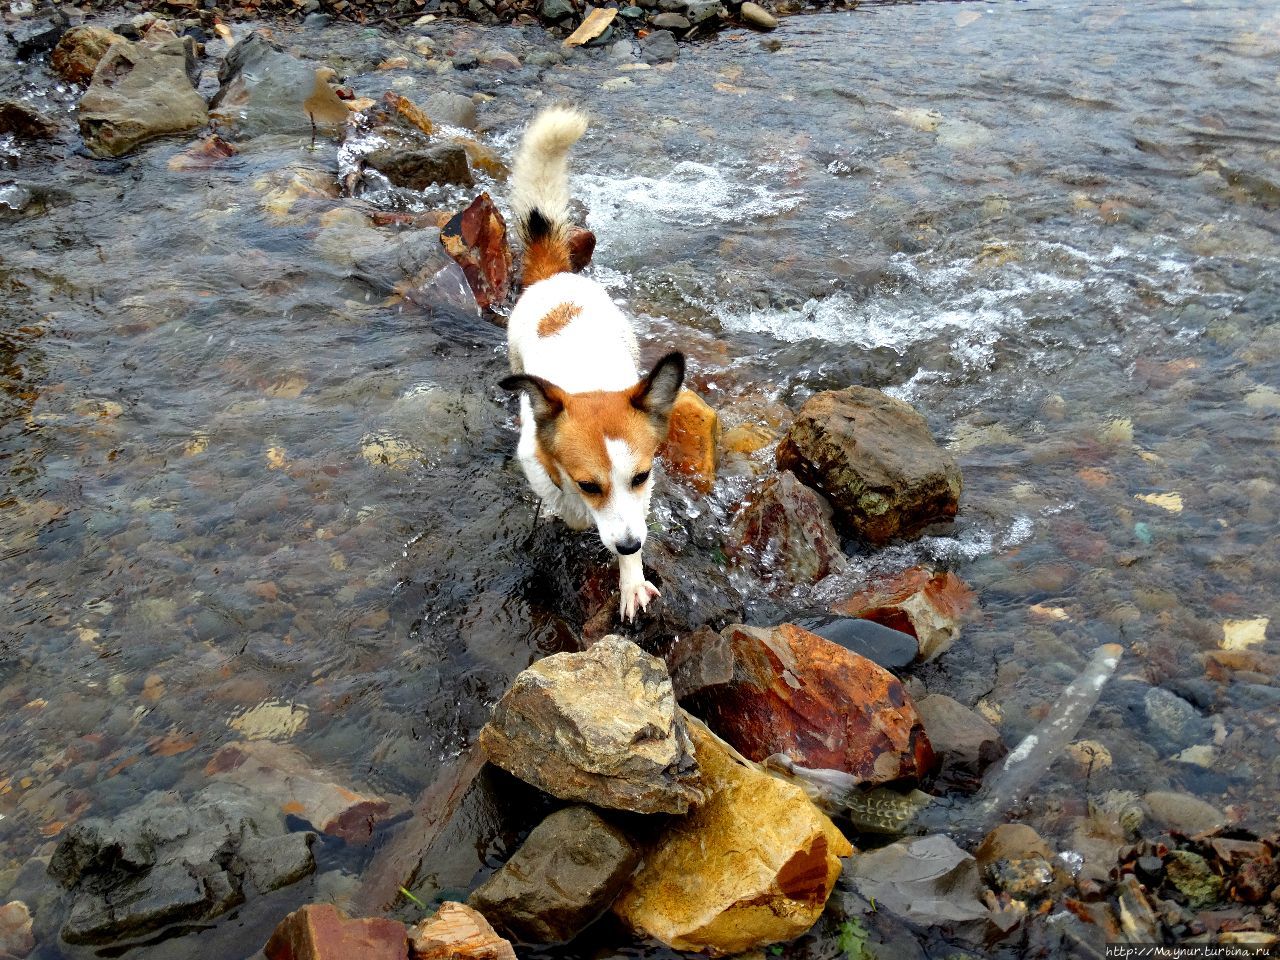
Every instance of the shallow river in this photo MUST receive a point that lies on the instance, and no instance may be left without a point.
(1051, 227)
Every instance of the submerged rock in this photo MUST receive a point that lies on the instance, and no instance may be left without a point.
(966, 743)
(784, 531)
(599, 727)
(140, 92)
(564, 876)
(691, 449)
(320, 931)
(16, 937)
(892, 649)
(929, 881)
(750, 866)
(875, 460)
(1182, 812)
(785, 690)
(265, 90)
(930, 606)
(169, 860)
(25, 122)
(457, 932)
(77, 54)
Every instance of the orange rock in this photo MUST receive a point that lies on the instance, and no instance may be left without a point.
(747, 438)
(407, 109)
(457, 932)
(786, 690)
(692, 449)
(930, 606)
(320, 931)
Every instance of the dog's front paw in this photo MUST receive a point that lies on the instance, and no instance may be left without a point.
(636, 597)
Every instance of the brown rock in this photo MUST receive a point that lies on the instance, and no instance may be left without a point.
(477, 239)
(25, 122)
(961, 738)
(282, 772)
(320, 931)
(77, 54)
(930, 606)
(16, 938)
(752, 865)
(691, 449)
(1011, 841)
(786, 690)
(457, 932)
(874, 459)
(202, 155)
(419, 167)
(784, 530)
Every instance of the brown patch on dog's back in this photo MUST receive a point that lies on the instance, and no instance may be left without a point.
(557, 318)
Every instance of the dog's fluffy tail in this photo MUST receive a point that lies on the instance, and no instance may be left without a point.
(540, 191)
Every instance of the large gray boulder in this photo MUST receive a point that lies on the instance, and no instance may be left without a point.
(873, 457)
(565, 875)
(598, 727)
(140, 92)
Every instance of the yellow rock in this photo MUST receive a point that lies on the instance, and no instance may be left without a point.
(1165, 501)
(1243, 634)
(270, 720)
(691, 449)
(753, 865)
(747, 438)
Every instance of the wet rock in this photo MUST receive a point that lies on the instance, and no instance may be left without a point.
(785, 690)
(873, 457)
(966, 743)
(563, 877)
(691, 448)
(1191, 875)
(674, 22)
(168, 860)
(203, 155)
(262, 89)
(282, 774)
(77, 54)
(1011, 841)
(929, 881)
(1182, 812)
(659, 47)
(1028, 878)
(320, 931)
(600, 727)
(138, 93)
(1138, 921)
(25, 122)
(750, 866)
(38, 35)
(1173, 723)
(556, 9)
(784, 531)
(891, 649)
(452, 109)
(457, 932)
(418, 169)
(930, 606)
(16, 937)
(476, 239)
(757, 16)
(700, 11)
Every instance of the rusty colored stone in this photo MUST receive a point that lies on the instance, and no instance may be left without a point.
(79, 50)
(691, 448)
(477, 239)
(320, 931)
(784, 530)
(203, 154)
(928, 605)
(786, 690)
(457, 932)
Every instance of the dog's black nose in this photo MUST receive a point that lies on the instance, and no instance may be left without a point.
(627, 547)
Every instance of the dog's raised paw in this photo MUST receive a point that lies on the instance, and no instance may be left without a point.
(636, 598)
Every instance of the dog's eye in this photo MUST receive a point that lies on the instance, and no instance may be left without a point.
(589, 487)
(639, 479)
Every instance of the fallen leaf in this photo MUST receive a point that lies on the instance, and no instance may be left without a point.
(324, 107)
(172, 744)
(275, 458)
(596, 23)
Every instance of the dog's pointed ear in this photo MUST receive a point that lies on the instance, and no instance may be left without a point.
(545, 397)
(656, 393)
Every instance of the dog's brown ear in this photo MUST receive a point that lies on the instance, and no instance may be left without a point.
(657, 392)
(545, 397)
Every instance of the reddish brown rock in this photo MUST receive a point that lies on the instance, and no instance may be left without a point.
(16, 938)
(203, 154)
(691, 449)
(457, 932)
(786, 690)
(930, 606)
(77, 54)
(320, 931)
(873, 457)
(784, 531)
(477, 239)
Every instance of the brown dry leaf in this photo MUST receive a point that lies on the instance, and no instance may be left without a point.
(324, 106)
(409, 110)
(596, 23)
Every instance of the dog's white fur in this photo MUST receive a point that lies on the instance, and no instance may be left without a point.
(596, 350)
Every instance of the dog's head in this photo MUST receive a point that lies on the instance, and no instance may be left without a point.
(601, 445)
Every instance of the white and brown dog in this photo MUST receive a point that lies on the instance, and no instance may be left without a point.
(590, 425)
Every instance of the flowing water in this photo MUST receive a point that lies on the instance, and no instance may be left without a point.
(247, 494)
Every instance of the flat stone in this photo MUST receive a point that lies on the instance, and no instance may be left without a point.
(671, 21)
(1182, 812)
(928, 605)
(418, 169)
(659, 47)
(320, 931)
(962, 738)
(167, 894)
(563, 877)
(452, 109)
(892, 649)
(752, 865)
(873, 457)
(700, 11)
(25, 122)
(599, 727)
(1011, 841)
(927, 880)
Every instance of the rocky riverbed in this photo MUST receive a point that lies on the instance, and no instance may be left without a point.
(271, 571)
